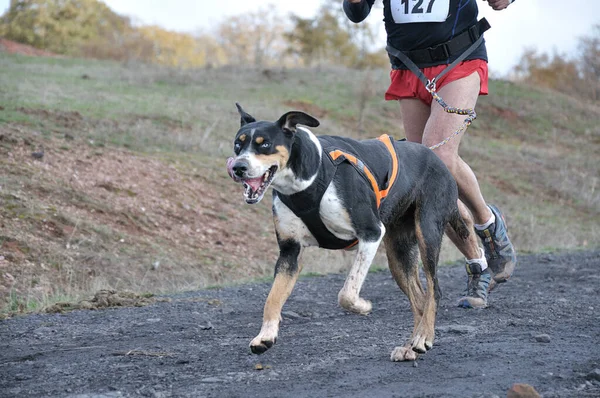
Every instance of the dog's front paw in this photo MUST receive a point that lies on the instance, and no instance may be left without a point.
(362, 307)
(260, 344)
(400, 354)
(266, 338)
(355, 304)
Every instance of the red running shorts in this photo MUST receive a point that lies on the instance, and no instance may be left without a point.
(406, 84)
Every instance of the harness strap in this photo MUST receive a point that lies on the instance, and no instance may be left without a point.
(430, 85)
(387, 141)
(482, 25)
(443, 51)
(380, 194)
(297, 202)
(360, 167)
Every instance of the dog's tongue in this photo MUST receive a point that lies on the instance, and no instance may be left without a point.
(254, 183)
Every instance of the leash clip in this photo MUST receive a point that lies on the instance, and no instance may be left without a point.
(430, 86)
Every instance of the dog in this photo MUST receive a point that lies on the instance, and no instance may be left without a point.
(339, 193)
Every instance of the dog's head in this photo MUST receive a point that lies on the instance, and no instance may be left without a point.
(262, 149)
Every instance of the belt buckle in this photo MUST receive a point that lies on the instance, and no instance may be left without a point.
(474, 33)
(439, 53)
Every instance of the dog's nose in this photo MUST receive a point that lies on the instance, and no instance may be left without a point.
(240, 169)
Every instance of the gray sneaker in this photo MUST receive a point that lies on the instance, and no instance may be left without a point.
(499, 251)
(477, 287)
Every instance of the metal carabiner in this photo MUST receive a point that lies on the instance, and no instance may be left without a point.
(430, 86)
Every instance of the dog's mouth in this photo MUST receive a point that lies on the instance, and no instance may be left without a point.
(255, 188)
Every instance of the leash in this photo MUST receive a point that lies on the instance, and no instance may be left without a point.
(430, 85)
(470, 112)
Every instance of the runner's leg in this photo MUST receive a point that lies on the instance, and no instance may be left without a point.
(415, 117)
(461, 93)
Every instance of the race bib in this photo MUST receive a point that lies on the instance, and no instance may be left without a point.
(409, 11)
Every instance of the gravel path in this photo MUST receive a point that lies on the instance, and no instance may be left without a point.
(542, 328)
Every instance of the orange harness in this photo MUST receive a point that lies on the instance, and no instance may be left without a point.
(380, 194)
(306, 204)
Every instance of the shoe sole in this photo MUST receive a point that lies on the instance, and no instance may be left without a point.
(472, 302)
(503, 277)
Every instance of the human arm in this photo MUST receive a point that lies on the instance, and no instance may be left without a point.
(499, 4)
(357, 10)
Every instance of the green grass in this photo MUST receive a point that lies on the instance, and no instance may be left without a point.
(535, 153)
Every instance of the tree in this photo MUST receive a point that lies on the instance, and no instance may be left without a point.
(331, 38)
(262, 38)
(589, 55)
(60, 26)
(320, 40)
(253, 38)
(172, 48)
(91, 29)
(213, 53)
(578, 76)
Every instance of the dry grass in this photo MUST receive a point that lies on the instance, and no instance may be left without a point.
(132, 192)
(88, 218)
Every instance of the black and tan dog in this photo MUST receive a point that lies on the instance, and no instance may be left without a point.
(339, 193)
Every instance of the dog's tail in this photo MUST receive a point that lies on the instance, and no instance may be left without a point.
(458, 224)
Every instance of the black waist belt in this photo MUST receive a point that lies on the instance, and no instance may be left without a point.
(454, 46)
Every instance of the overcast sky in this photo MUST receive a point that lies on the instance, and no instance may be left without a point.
(548, 25)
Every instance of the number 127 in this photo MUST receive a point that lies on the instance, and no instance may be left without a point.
(417, 7)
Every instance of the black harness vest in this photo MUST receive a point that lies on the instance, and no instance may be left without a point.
(374, 160)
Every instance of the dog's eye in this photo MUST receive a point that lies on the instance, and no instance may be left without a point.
(237, 146)
(265, 145)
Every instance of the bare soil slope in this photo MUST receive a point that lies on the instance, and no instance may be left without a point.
(196, 345)
(12, 47)
(82, 212)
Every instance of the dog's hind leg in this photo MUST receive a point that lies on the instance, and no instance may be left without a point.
(429, 233)
(349, 297)
(459, 230)
(403, 255)
(287, 270)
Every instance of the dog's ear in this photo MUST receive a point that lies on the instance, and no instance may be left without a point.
(245, 118)
(289, 120)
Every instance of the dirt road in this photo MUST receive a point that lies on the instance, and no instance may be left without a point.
(543, 328)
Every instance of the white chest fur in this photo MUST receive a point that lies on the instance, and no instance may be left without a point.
(335, 216)
(290, 226)
(332, 212)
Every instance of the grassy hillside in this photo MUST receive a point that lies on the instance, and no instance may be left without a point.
(131, 191)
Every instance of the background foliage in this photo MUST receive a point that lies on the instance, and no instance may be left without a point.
(264, 38)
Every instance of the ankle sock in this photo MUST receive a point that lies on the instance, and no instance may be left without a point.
(489, 222)
(481, 261)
